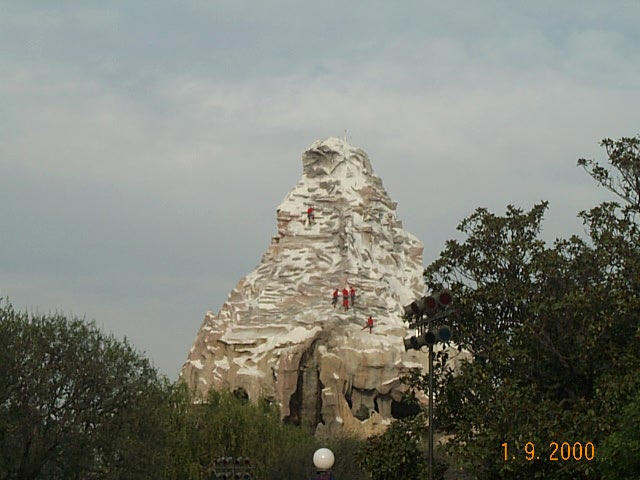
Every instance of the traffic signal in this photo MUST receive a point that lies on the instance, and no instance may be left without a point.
(430, 337)
(435, 308)
(432, 306)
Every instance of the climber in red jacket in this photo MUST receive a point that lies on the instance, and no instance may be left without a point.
(369, 324)
(352, 294)
(335, 298)
(345, 298)
(310, 215)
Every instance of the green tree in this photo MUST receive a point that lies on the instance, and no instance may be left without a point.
(552, 332)
(620, 451)
(394, 455)
(75, 403)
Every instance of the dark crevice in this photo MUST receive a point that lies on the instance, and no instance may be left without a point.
(295, 401)
(347, 397)
(305, 404)
(404, 409)
(362, 413)
(241, 394)
(319, 418)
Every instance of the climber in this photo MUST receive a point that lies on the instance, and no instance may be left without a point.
(369, 324)
(310, 215)
(352, 293)
(335, 298)
(345, 298)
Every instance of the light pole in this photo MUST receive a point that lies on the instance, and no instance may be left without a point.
(435, 307)
(323, 460)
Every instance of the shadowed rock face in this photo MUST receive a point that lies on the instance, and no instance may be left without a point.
(278, 336)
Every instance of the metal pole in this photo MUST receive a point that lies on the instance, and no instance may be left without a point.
(430, 412)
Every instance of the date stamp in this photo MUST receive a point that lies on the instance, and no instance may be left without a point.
(557, 452)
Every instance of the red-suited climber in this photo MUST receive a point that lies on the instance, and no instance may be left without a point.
(345, 298)
(352, 294)
(369, 324)
(310, 216)
(335, 298)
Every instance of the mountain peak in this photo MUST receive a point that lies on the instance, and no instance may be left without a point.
(334, 157)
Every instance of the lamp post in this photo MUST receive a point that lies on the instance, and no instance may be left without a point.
(435, 308)
(323, 460)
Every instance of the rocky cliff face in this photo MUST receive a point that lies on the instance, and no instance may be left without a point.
(278, 336)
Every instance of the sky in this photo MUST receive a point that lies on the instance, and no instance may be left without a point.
(145, 145)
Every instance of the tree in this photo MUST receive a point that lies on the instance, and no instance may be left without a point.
(552, 332)
(75, 403)
(394, 454)
(621, 449)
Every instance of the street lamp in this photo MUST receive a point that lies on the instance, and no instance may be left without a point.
(435, 308)
(323, 459)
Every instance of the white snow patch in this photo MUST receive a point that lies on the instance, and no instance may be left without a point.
(197, 364)
(222, 364)
(252, 372)
(412, 364)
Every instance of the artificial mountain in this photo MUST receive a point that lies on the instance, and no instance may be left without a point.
(278, 336)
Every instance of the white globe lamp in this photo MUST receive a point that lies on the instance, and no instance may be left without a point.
(323, 459)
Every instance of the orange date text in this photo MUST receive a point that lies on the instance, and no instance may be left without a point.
(557, 452)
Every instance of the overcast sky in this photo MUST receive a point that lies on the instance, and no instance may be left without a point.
(144, 146)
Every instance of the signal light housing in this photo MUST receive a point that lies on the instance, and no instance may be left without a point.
(429, 304)
(430, 337)
(434, 305)
(445, 298)
(444, 333)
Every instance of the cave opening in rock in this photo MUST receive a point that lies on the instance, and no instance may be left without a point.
(362, 413)
(241, 394)
(404, 409)
(305, 404)
(375, 404)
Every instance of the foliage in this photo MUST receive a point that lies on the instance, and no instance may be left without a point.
(228, 426)
(395, 454)
(552, 332)
(75, 403)
(624, 178)
(620, 452)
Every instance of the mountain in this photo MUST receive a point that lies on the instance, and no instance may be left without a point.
(278, 336)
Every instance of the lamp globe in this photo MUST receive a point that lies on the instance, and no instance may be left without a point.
(323, 459)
